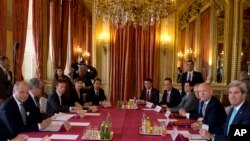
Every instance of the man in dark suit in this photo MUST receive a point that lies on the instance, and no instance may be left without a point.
(14, 113)
(171, 96)
(32, 103)
(58, 101)
(212, 111)
(96, 94)
(191, 75)
(238, 115)
(4, 78)
(149, 93)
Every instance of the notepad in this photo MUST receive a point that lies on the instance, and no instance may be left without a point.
(92, 114)
(63, 137)
(79, 123)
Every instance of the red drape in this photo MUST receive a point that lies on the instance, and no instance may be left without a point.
(146, 51)
(192, 35)
(38, 35)
(56, 26)
(64, 35)
(121, 68)
(183, 43)
(3, 25)
(20, 19)
(205, 42)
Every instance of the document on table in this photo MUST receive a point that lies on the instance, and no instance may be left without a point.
(194, 137)
(54, 126)
(62, 116)
(63, 137)
(92, 114)
(185, 133)
(163, 120)
(79, 123)
(35, 139)
(148, 109)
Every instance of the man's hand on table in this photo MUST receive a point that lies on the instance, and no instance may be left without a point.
(196, 126)
(45, 123)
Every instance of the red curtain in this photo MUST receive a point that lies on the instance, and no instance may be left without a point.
(38, 35)
(20, 19)
(146, 51)
(64, 35)
(3, 25)
(183, 43)
(192, 35)
(56, 26)
(205, 42)
(121, 68)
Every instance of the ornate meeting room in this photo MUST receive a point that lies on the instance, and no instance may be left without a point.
(124, 70)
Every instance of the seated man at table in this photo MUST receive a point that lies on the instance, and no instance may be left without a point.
(14, 114)
(238, 115)
(171, 96)
(149, 93)
(95, 95)
(196, 113)
(188, 100)
(57, 102)
(212, 111)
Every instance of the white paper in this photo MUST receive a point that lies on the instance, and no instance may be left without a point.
(148, 109)
(149, 104)
(92, 114)
(79, 123)
(63, 137)
(185, 133)
(163, 120)
(205, 127)
(195, 137)
(167, 114)
(62, 116)
(158, 108)
(35, 139)
(174, 134)
(54, 126)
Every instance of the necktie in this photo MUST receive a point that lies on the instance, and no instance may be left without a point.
(168, 97)
(97, 93)
(189, 76)
(204, 109)
(231, 119)
(147, 96)
(200, 107)
(60, 100)
(22, 110)
(37, 101)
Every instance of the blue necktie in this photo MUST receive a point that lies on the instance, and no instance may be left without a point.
(204, 109)
(231, 119)
(200, 107)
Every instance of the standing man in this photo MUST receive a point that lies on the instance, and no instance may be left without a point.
(171, 96)
(149, 93)
(15, 115)
(5, 78)
(96, 94)
(238, 115)
(191, 75)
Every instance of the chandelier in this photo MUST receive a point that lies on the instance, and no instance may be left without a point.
(137, 12)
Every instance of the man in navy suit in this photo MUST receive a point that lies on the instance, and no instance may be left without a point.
(191, 75)
(14, 113)
(212, 111)
(171, 96)
(149, 93)
(96, 94)
(238, 115)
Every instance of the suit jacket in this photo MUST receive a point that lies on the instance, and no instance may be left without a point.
(242, 117)
(187, 103)
(35, 115)
(91, 97)
(3, 84)
(215, 115)
(175, 98)
(53, 104)
(10, 112)
(154, 96)
(196, 113)
(196, 78)
(5, 130)
(73, 97)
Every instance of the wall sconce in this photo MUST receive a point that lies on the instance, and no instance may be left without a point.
(165, 40)
(86, 56)
(180, 55)
(104, 41)
(78, 51)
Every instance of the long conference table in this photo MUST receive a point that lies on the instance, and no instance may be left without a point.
(125, 125)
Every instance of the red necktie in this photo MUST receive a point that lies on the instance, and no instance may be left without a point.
(147, 96)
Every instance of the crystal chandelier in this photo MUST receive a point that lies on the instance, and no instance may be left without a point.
(137, 12)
